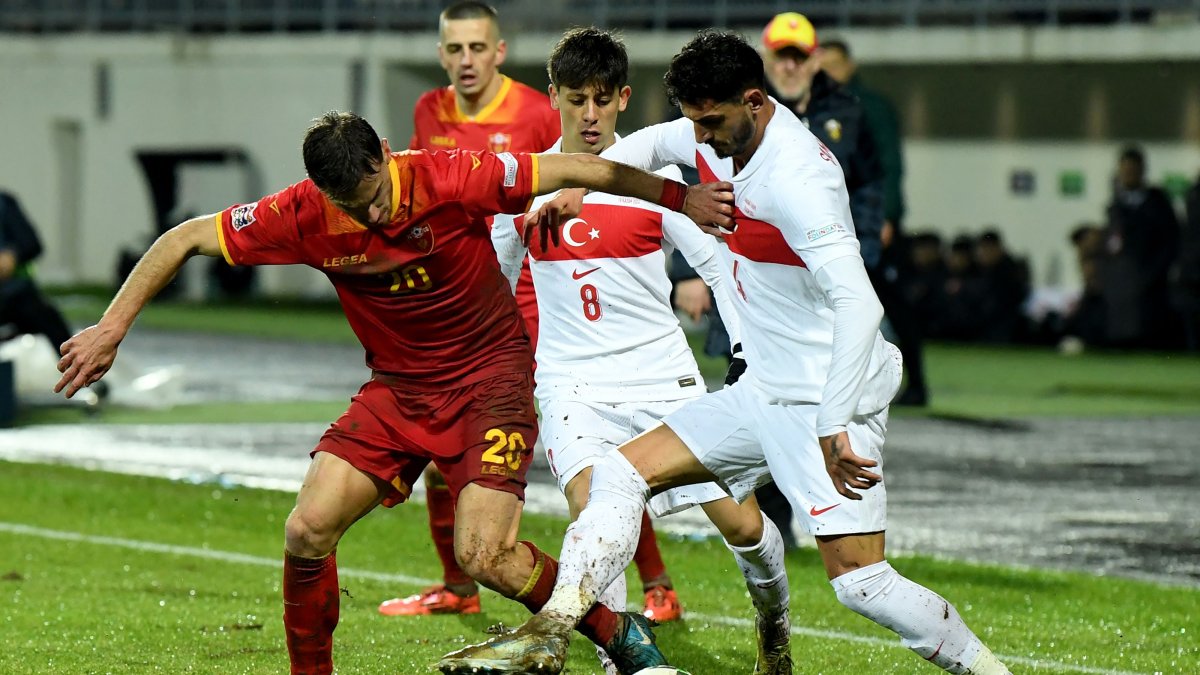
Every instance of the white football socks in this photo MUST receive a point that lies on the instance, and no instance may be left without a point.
(926, 622)
(762, 566)
(599, 545)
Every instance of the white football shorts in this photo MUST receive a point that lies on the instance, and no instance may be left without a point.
(747, 441)
(577, 433)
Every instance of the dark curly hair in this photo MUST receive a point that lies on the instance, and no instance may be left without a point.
(589, 56)
(715, 66)
(340, 149)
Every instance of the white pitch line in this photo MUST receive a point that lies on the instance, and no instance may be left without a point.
(244, 559)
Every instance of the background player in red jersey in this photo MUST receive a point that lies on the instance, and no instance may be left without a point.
(403, 240)
(482, 109)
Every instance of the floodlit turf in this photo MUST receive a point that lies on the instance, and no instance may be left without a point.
(975, 381)
(70, 606)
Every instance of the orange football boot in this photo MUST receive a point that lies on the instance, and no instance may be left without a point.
(433, 600)
(662, 605)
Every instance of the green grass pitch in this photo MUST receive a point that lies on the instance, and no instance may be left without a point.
(89, 583)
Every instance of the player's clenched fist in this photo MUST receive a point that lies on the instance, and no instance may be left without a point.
(86, 358)
(547, 219)
(710, 205)
(847, 469)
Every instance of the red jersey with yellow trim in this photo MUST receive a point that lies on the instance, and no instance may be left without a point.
(425, 294)
(519, 119)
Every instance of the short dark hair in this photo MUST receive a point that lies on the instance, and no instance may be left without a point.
(469, 9)
(715, 66)
(837, 45)
(1133, 152)
(589, 56)
(340, 149)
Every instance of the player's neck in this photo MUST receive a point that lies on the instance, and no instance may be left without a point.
(474, 105)
(741, 159)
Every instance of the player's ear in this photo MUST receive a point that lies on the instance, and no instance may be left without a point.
(755, 98)
(553, 92)
(501, 51)
(623, 98)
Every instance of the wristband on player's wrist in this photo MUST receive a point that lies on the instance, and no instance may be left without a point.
(674, 194)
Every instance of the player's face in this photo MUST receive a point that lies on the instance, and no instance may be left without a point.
(471, 52)
(791, 71)
(371, 203)
(588, 116)
(836, 65)
(728, 127)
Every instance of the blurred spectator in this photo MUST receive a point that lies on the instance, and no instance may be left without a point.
(1185, 277)
(1003, 287)
(837, 117)
(838, 63)
(1087, 320)
(960, 293)
(23, 307)
(1142, 236)
(884, 124)
(924, 283)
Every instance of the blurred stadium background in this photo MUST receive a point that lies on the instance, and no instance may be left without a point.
(122, 117)
(128, 114)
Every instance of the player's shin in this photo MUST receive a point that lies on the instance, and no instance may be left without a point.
(599, 624)
(926, 622)
(599, 545)
(310, 611)
(762, 567)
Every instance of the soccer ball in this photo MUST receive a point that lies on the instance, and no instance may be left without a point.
(662, 670)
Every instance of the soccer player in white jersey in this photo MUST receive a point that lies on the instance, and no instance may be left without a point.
(811, 409)
(612, 359)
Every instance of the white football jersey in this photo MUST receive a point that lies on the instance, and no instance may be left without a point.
(607, 330)
(794, 264)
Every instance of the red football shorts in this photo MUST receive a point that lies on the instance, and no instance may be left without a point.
(480, 433)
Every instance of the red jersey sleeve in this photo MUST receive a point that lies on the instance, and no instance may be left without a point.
(485, 183)
(266, 232)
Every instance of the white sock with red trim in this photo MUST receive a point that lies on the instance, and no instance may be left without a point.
(927, 623)
(599, 545)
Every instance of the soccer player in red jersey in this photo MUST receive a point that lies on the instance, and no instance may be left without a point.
(402, 238)
(483, 109)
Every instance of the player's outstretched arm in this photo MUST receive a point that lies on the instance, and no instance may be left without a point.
(88, 355)
(707, 204)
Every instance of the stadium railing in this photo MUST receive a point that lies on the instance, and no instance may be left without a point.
(237, 16)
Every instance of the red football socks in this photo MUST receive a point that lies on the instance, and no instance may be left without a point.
(600, 623)
(441, 527)
(310, 612)
(648, 558)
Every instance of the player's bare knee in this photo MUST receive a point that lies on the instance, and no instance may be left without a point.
(744, 531)
(308, 535)
(482, 561)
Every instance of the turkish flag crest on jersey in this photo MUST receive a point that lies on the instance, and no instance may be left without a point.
(421, 237)
(499, 142)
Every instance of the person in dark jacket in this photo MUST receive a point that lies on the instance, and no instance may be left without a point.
(1185, 277)
(844, 123)
(1143, 240)
(23, 307)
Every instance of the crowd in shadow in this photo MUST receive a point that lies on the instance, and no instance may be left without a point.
(1140, 270)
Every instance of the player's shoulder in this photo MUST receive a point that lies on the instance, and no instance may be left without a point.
(527, 92)
(434, 100)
